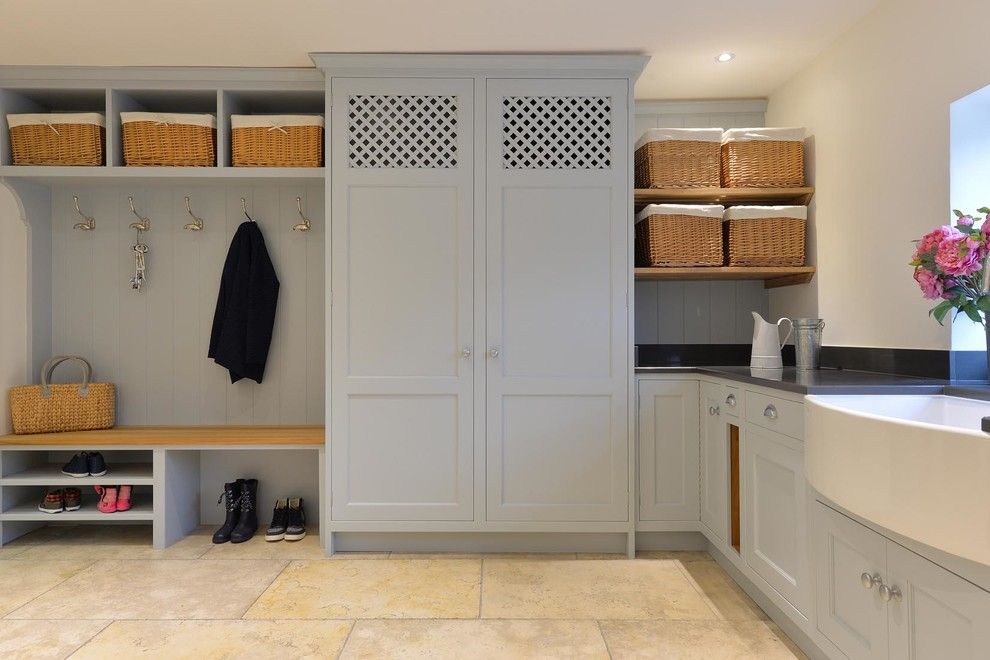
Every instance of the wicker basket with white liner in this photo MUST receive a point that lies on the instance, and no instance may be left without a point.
(170, 139)
(276, 140)
(766, 235)
(678, 158)
(763, 157)
(49, 408)
(679, 235)
(64, 138)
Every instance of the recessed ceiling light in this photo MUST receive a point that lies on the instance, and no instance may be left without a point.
(725, 57)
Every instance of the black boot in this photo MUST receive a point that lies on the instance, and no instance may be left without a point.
(232, 495)
(247, 524)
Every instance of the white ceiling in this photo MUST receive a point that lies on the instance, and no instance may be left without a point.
(773, 39)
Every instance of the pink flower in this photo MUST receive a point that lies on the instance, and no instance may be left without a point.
(930, 241)
(965, 221)
(931, 285)
(959, 255)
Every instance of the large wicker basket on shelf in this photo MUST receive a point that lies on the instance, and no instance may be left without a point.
(48, 408)
(678, 158)
(173, 139)
(674, 235)
(763, 158)
(276, 140)
(75, 138)
(766, 235)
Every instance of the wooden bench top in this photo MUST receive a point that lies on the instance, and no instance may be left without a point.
(176, 435)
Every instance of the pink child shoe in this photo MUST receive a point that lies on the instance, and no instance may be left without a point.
(124, 498)
(108, 498)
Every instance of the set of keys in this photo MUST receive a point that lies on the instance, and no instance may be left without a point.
(139, 249)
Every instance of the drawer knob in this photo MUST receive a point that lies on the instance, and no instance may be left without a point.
(888, 594)
(466, 352)
(870, 581)
(713, 410)
(493, 352)
(731, 400)
(770, 412)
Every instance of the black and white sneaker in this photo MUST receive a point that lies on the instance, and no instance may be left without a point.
(280, 516)
(78, 466)
(97, 466)
(295, 529)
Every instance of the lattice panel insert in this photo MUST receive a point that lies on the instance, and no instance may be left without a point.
(402, 131)
(556, 133)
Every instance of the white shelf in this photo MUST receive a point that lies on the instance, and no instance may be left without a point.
(133, 474)
(204, 175)
(141, 510)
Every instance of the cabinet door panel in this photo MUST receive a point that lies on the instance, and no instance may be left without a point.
(402, 275)
(775, 522)
(714, 461)
(668, 450)
(939, 615)
(852, 616)
(558, 264)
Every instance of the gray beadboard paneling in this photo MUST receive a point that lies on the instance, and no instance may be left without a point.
(698, 312)
(153, 344)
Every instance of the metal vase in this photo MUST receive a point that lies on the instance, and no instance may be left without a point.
(808, 342)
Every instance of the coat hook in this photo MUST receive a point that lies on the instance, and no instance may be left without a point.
(197, 223)
(89, 224)
(305, 224)
(145, 224)
(244, 208)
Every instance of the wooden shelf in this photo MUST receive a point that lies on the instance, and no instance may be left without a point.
(135, 474)
(772, 277)
(203, 175)
(175, 435)
(723, 196)
(141, 509)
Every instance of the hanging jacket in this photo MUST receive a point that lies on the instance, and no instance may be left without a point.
(245, 314)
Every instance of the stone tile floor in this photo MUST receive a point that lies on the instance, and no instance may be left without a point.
(99, 592)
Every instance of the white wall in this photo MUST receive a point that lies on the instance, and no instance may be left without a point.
(877, 102)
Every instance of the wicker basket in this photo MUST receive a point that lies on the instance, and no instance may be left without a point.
(169, 139)
(57, 139)
(678, 158)
(679, 235)
(49, 408)
(763, 158)
(276, 140)
(766, 235)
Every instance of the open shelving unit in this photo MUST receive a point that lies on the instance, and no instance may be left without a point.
(773, 277)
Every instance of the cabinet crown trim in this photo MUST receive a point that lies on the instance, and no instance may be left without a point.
(489, 65)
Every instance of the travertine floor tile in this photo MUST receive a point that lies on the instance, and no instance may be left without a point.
(436, 589)
(726, 597)
(677, 555)
(695, 640)
(217, 639)
(259, 548)
(130, 542)
(11, 551)
(583, 589)
(34, 640)
(544, 556)
(21, 581)
(155, 589)
(475, 639)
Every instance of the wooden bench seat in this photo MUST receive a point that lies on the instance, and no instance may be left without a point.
(174, 436)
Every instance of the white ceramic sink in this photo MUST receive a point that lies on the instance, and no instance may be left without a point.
(917, 465)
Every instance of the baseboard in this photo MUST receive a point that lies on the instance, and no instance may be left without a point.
(672, 541)
(478, 542)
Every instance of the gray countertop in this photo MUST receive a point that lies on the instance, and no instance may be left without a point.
(831, 381)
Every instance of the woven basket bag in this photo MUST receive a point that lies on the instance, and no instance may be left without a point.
(766, 235)
(56, 139)
(763, 158)
(276, 140)
(48, 408)
(678, 158)
(678, 235)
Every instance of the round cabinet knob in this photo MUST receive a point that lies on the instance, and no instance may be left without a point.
(493, 352)
(466, 352)
(870, 581)
(890, 593)
(731, 400)
(712, 410)
(770, 412)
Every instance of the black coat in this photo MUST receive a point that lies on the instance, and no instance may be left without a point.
(245, 315)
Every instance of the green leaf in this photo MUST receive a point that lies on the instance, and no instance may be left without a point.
(940, 310)
(974, 314)
(983, 210)
(983, 304)
(958, 213)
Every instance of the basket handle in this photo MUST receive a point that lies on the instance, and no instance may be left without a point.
(49, 368)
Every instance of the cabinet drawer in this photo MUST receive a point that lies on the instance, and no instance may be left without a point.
(780, 415)
(732, 401)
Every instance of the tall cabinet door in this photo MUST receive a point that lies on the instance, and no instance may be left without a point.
(558, 249)
(401, 326)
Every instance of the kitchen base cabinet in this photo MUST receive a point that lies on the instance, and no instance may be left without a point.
(880, 601)
(668, 450)
(774, 518)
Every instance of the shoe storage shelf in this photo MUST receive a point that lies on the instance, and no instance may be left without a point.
(176, 473)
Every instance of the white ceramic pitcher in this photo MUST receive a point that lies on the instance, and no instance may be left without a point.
(767, 342)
